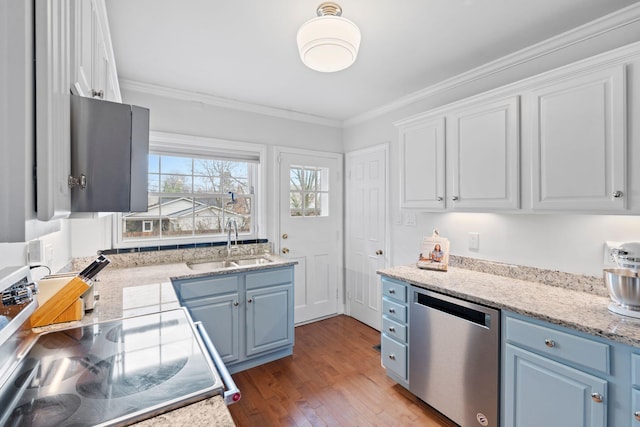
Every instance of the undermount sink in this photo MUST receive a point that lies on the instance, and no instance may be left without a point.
(211, 265)
(252, 261)
(216, 265)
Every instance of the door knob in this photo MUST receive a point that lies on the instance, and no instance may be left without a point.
(285, 250)
(617, 194)
(285, 236)
(379, 252)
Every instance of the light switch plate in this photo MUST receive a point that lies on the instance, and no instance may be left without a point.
(410, 219)
(474, 241)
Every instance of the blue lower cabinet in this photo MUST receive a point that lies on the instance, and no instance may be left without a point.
(556, 376)
(394, 349)
(248, 316)
(220, 310)
(269, 322)
(542, 392)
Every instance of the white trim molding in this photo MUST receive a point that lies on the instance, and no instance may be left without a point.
(218, 101)
(590, 30)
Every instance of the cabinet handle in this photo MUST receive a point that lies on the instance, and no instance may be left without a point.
(392, 329)
(285, 250)
(455, 198)
(250, 300)
(637, 415)
(596, 397)
(439, 199)
(392, 356)
(549, 343)
(379, 252)
(392, 291)
(236, 303)
(617, 194)
(392, 310)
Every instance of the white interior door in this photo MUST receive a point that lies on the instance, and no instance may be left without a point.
(310, 230)
(366, 229)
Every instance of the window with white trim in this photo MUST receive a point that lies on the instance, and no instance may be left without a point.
(193, 193)
(308, 191)
(147, 226)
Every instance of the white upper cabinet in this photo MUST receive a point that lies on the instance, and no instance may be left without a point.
(484, 153)
(578, 156)
(73, 54)
(422, 164)
(465, 158)
(52, 78)
(94, 72)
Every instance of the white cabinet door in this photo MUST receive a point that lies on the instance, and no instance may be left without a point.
(52, 109)
(422, 164)
(484, 166)
(84, 17)
(93, 66)
(578, 143)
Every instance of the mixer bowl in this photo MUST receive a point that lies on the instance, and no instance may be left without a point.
(624, 287)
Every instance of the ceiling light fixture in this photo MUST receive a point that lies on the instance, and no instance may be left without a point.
(329, 42)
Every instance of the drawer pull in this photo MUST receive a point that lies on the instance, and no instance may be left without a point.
(596, 397)
(392, 329)
(392, 356)
(637, 415)
(549, 343)
(392, 310)
(392, 291)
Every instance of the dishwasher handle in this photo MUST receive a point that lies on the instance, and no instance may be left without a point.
(467, 313)
(232, 392)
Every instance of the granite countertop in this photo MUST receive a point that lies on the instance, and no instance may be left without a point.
(583, 311)
(131, 291)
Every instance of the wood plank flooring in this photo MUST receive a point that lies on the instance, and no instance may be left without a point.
(334, 378)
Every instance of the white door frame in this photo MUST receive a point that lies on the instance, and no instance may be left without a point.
(274, 210)
(387, 235)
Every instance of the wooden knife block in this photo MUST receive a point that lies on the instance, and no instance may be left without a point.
(59, 301)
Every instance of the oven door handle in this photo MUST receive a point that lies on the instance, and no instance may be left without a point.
(232, 392)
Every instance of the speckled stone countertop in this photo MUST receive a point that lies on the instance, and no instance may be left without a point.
(584, 311)
(126, 291)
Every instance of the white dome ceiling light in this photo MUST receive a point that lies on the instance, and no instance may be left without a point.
(329, 42)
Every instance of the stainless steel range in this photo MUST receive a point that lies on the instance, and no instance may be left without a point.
(112, 373)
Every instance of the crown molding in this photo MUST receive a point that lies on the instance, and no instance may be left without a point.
(595, 28)
(217, 101)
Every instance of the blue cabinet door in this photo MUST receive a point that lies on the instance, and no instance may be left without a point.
(541, 392)
(220, 316)
(269, 318)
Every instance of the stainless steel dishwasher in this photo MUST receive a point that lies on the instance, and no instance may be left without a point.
(454, 357)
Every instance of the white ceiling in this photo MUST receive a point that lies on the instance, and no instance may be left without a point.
(245, 50)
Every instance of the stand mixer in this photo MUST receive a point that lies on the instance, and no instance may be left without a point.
(623, 282)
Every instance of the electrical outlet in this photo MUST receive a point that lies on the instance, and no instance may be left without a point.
(609, 249)
(474, 241)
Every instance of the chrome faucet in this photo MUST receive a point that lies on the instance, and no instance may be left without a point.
(231, 222)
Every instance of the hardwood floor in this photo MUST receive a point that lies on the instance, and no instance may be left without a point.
(334, 378)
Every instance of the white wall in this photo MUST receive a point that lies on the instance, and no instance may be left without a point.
(570, 243)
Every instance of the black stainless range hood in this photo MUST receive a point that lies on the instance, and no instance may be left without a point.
(109, 156)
